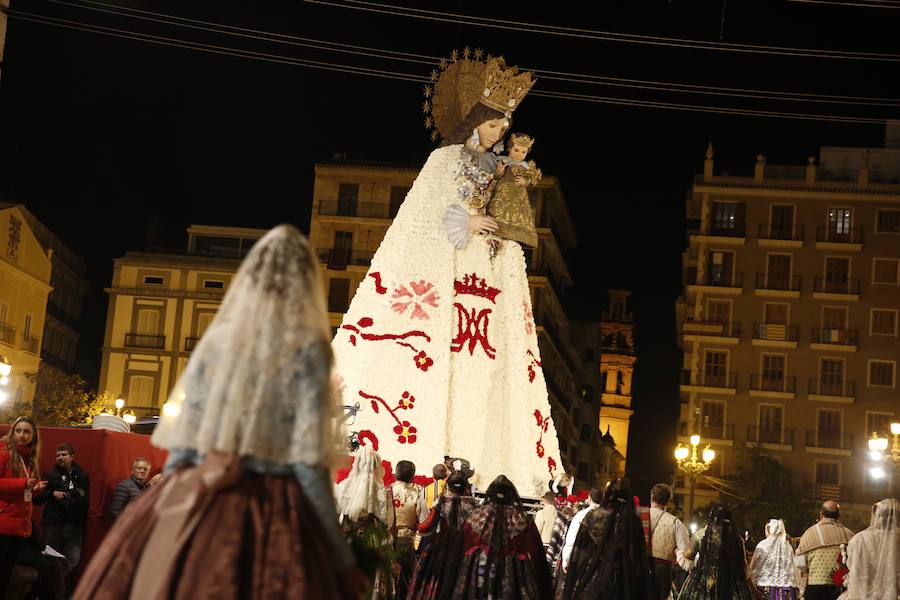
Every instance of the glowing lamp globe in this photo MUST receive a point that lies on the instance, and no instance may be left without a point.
(708, 455)
(877, 444)
(4, 380)
(681, 453)
(129, 418)
(170, 409)
(120, 403)
(895, 428)
(877, 472)
(5, 368)
(695, 440)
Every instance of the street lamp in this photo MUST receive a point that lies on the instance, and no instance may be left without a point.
(882, 456)
(688, 461)
(5, 370)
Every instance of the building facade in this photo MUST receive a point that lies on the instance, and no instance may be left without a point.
(354, 203)
(25, 269)
(160, 304)
(617, 361)
(789, 319)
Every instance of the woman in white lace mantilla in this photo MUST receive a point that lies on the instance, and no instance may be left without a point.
(772, 565)
(439, 345)
(873, 556)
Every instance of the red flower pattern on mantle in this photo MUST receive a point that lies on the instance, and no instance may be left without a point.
(423, 361)
(420, 294)
(406, 433)
(532, 373)
(543, 424)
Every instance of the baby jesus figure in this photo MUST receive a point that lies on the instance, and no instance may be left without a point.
(509, 204)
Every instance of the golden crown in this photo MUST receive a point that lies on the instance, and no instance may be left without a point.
(466, 79)
(521, 139)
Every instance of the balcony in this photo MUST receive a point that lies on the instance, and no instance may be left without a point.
(840, 340)
(833, 288)
(839, 392)
(30, 343)
(829, 442)
(340, 258)
(768, 387)
(190, 343)
(732, 233)
(7, 334)
(716, 433)
(780, 285)
(771, 438)
(710, 383)
(365, 210)
(775, 235)
(730, 283)
(712, 331)
(140, 340)
(830, 237)
(776, 335)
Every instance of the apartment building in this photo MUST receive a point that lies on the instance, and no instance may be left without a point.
(354, 202)
(789, 319)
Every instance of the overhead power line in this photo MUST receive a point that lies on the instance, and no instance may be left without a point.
(609, 36)
(368, 51)
(409, 77)
(857, 4)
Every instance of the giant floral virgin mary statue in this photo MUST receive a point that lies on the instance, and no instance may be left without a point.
(439, 346)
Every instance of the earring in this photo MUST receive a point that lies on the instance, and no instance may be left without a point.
(475, 139)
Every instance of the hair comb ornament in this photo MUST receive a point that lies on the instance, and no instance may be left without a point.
(469, 78)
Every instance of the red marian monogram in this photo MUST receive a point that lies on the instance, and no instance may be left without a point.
(472, 330)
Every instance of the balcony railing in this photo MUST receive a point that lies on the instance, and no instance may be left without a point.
(772, 281)
(140, 340)
(832, 491)
(769, 384)
(716, 278)
(827, 233)
(838, 337)
(190, 343)
(776, 332)
(372, 210)
(340, 258)
(715, 431)
(713, 328)
(732, 229)
(822, 387)
(7, 334)
(829, 439)
(29, 344)
(768, 435)
(718, 380)
(774, 231)
(829, 285)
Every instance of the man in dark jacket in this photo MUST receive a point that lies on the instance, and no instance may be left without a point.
(66, 499)
(130, 488)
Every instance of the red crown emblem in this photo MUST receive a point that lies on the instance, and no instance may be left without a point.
(473, 285)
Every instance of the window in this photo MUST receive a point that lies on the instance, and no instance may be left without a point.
(720, 267)
(884, 270)
(153, 280)
(716, 368)
(727, 218)
(4, 313)
(148, 321)
(881, 373)
(879, 423)
(837, 274)
(338, 294)
(20, 395)
(348, 196)
(712, 424)
(778, 272)
(771, 419)
(782, 226)
(829, 429)
(831, 377)
(398, 195)
(587, 393)
(828, 473)
(140, 391)
(773, 366)
(887, 220)
(26, 331)
(718, 311)
(883, 322)
(213, 284)
(342, 251)
(834, 317)
(203, 321)
(776, 313)
(839, 220)
(585, 433)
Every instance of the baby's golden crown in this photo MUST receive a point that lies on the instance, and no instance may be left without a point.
(521, 139)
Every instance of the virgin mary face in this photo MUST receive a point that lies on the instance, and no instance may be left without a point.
(490, 132)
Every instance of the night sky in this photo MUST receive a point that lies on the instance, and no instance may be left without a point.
(117, 144)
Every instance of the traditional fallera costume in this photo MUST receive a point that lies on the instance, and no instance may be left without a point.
(873, 556)
(720, 570)
(439, 346)
(772, 566)
(246, 509)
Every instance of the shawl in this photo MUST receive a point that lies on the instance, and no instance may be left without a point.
(827, 532)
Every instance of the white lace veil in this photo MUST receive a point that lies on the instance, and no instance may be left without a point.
(363, 492)
(773, 560)
(875, 556)
(258, 382)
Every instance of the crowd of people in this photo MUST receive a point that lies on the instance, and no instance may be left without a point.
(248, 508)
